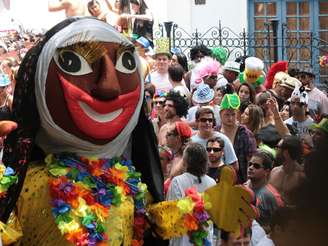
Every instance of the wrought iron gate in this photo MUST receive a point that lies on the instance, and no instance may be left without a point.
(268, 46)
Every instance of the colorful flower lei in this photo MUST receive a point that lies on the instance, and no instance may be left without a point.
(7, 178)
(196, 219)
(83, 189)
(323, 60)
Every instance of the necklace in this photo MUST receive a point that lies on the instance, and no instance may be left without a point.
(83, 189)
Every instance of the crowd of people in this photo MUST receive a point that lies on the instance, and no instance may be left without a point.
(211, 111)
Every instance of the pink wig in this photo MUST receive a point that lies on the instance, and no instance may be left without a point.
(207, 67)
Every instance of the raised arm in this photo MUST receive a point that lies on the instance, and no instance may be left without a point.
(56, 6)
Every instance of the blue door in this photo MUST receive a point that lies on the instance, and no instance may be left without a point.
(301, 31)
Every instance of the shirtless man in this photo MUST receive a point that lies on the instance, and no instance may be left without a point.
(71, 7)
(290, 174)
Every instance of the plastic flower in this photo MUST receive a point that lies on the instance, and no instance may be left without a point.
(185, 205)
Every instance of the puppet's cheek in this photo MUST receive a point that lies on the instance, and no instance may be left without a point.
(99, 119)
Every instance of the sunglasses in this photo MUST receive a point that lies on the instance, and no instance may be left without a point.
(213, 77)
(147, 98)
(203, 120)
(255, 165)
(209, 149)
(160, 102)
(174, 134)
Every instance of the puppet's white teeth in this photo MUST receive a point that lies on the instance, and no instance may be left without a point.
(102, 118)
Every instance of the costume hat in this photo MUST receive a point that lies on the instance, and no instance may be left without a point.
(203, 94)
(4, 80)
(232, 66)
(230, 101)
(162, 47)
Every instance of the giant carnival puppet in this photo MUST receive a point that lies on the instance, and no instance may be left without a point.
(83, 161)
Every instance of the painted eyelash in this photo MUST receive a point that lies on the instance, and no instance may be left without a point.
(90, 51)
(123, 48)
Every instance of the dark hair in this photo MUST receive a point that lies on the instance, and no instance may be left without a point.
(196, 159)
(151, 89)
(92, 3)
(180, 103)
(176, 72)
(243, 106)
(142, 4)
(182, 60)
(294, 147)
(252, 92)
(226, 89)
(204, 110)
(293, 72)
(267, 158)
(199, 48)
(217, 140)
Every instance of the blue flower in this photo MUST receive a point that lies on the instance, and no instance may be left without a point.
(9, 171)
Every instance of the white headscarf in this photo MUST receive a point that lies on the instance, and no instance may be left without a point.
(53, 139)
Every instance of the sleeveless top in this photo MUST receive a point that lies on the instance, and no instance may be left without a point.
(5, 113)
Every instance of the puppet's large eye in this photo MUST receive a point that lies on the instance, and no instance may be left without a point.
(72, 63)
(126, 62)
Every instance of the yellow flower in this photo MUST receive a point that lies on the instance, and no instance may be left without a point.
(2, 170)
(82, 209)
(142, 187)
(207, 203)
(68, 227)
(185, 205)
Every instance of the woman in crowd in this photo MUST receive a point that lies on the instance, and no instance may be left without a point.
(195, 160)
(179, 58)
(142, 19)
(177, 138)
(158, 114)
(252, 118)
(246, 93)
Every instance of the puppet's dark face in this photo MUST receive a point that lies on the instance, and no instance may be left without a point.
(93, 89)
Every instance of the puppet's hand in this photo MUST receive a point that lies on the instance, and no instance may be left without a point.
(231, 204)
(6, 127)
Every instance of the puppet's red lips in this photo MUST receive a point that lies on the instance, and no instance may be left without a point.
(95, 118)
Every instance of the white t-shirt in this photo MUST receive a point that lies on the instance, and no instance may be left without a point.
(161, 81)
(183, 90)
(302, 127)
(318, 102)
(259, 237)
(229, 152)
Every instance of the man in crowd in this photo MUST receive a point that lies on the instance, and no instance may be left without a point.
(230, 73)
(71, 7)
(283, 87)
(160, 77)
(320, 135)
(318, 101)
(290, 173)
(298, 108)
(214, 147)
(241, 137)
(175, 107)
(267, 197)
(205, 122)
